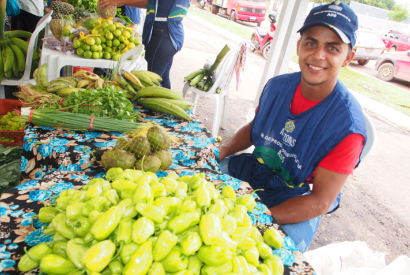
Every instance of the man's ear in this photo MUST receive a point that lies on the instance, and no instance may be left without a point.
(297, 46)
(349, 58)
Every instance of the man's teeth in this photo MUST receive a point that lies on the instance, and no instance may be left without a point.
(315, 68)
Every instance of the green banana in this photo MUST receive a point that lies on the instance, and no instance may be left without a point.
(69, 80)
(158, 92)
(23, 45)
(57, 86)
(9, 58)
(1, 66)
(21, 59)
(196, 79)
(194, 74)
(73, 78)
(67, 91)
(38, 89)
(184, 105)
(60, 81)
(118, 77)
(35, 77)
(15, 69)
(41, 74)
(143, 77)
(22, 34)
(159, 104)
(84, 83)
(155, 78)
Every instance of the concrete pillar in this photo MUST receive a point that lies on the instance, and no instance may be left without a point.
(291, 19)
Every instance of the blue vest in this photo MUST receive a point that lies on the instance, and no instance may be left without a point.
(176, 30)
(293, 145)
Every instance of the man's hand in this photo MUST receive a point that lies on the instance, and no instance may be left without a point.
(241, 140)
(326, 186)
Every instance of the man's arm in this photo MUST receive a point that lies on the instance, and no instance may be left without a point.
(118, 3)
(326, 186)
(240, 141)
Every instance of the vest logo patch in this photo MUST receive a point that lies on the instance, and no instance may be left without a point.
(290, 126)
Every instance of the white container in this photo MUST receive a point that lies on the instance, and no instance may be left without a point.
(400, 266)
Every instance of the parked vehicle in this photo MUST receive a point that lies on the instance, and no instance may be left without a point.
(393, 65)
(244, 10)
(369, 46)
(396, 41)
(261, 40)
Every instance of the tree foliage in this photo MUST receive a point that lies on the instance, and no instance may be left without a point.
(398, 14)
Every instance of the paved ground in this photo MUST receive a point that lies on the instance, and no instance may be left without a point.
(374, 202)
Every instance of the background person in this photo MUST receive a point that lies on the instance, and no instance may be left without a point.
(31, 12)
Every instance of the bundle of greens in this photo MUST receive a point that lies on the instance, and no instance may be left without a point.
(101, 102)
(89, 5)
(10, 162)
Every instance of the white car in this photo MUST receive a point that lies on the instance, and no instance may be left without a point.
(369, 46)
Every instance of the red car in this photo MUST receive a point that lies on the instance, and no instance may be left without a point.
(396, 41)
(392, 65)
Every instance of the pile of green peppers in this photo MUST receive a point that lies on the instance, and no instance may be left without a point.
(136, 223)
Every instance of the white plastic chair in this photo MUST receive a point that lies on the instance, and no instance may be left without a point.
(226, 73)
(371, 137)
(33, 41)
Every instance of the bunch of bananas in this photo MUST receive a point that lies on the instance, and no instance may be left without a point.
(164, 100)
(134, 81)
(200, 79)
(13, 54)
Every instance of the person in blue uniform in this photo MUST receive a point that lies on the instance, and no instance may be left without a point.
(308, 129)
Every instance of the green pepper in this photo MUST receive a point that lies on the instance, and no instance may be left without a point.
(140, 261)
(182, 185)
(62, 203)
(95, 190)
(54, 264)
(169, 184)
(227, 242)
(229, 192)
(219, 209)
(229, 224)
(185, 178)
(264, 250)
(153, 239)
(203, 196)
(256, 234)
(214, 193)
(68, 193)
(124, 233)
(78, 197)
(174, 261)
(75, 252)
(82, 226)
(168, 204)
(183, 222)
(240, 266)
(74, 211)
(132, 175)
(159, 227)
(248, 200)
(143, 193)
(158, 189)
(238, 213)
(150, 211)
(163, 246)
(273, 238)
(211, 270)
(191, 244)
(187, 206)
(264, 269)
(194, 182)
(98, 256)
(194, 264)
(156, 269)
(106, 223)
(243, 231)
(114, 173)
(214, 255)
(182, 235)
(210, 228)
(128, 193)
(32, 258)
(275, 264)
(111, 196)
(243, 242)
(180, 193)
(128, 208)
(58, 237)
(116, 267)
(252, 256)
(60, 248)
(49, 230)
(127, 251)
(230, 204)
(247, 221)
(120, 185)
(92, 182)
(147, 178)
(96, 203)
(142, 229)
(94, 215)
(61, 227)
(47, 214)
(173, 175)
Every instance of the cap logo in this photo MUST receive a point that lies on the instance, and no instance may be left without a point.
(336, 8)
(332, 14)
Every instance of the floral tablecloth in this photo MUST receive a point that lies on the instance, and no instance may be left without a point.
(57, 160)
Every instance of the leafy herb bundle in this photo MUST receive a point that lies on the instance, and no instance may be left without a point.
(101, 102)
(10, 162)
(90, 5)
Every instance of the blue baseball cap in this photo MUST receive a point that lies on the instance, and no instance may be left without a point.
(338, 16)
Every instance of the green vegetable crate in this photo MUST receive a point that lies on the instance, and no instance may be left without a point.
(8, 105)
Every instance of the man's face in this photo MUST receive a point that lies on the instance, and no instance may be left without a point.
(321, 55)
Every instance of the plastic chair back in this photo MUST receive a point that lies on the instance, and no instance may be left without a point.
(135, 53)
(371, 137)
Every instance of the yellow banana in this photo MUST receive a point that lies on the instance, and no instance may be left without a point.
(133, 80)
(115, 83)
(86, 75)
(42, 76)
(160, 105)
(67, 91)
(73, 78)
(158, 92)
(21, 59)
(143, 77)
(84, 83)
(91, 85)
(73, 82)
(99, 83)
(57, 86)
(156, 79)
(118, 77)
(56, 81)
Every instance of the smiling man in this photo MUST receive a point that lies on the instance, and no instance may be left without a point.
(308, 129)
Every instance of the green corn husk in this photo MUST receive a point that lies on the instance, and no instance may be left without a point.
(76, 122)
